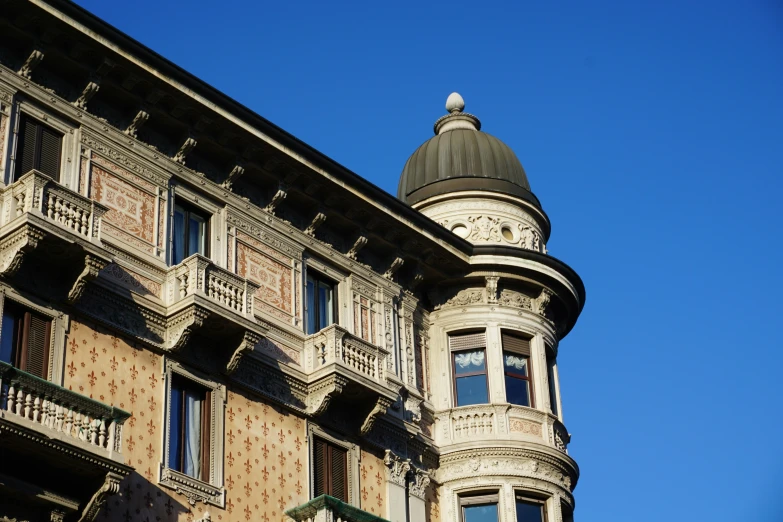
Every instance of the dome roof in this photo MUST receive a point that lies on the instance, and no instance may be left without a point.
(460, 157)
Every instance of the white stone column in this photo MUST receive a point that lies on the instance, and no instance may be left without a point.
(540, 381)
(397, 470)
(496, 384)
(420, 480)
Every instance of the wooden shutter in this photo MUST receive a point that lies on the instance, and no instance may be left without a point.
(319, 467)
(206, 432)
(339, 475)
(49, 158)
(25, 149)
(34, 344)
(467, 341)
(515, 343)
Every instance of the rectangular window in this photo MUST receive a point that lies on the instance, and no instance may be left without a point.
(191, 232)
(321, 303)
(39, 147)
(330, 470)
(24, 340)
(516, 368)
(530, 510)
(479, 508)
(550, 371)
(469, 368)
(189, 423)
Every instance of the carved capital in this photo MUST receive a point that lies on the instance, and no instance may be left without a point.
(381, 405)
(492, 289)
(92, 267)
(111, 486)
(397, 468)
(542, 301)
(420, 480)
(246, 345)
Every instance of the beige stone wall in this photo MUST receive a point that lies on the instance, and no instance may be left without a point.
(373, 484)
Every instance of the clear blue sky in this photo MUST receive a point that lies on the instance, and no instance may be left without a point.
(653, 136)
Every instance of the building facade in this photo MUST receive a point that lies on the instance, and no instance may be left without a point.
(204, 318)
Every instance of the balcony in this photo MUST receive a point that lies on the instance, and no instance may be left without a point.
(329, 508)
(341, 364)
(58, 446)
(42, 220)
(201, 296)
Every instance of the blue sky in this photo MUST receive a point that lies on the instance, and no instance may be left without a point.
(653, 136)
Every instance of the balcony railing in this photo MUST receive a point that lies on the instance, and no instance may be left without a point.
(39, 194)
(60, 413)
(197, 275)
(326, 508)
(335, 344)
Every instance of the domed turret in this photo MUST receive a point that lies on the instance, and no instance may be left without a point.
(462, 158)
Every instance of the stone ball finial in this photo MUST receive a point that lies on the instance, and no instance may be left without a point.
(455, 103)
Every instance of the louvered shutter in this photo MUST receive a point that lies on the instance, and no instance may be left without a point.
(319, 467)
(49, 159)
(467, 341)
(339, 469)
(516, 343)
(35, 339)
(25, 149)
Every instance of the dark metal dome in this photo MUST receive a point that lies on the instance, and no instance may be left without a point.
(459, 158)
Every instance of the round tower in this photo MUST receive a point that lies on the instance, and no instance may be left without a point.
(494, 333)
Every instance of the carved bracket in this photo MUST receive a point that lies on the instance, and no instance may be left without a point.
(89, 91)
(360, 243)
(492, 289)
(320, 394)
(137, 123)
(542, 301)
(111, 486)
(181, 326)
(184, 150)
(31, 63)
(14, 247)
(249, 340)
(280, 195)
(234, 175)
(381, 405)
(396, 265)
(318, 220)
(92, 267)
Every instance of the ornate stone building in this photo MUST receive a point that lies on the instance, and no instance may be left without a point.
(204, 318)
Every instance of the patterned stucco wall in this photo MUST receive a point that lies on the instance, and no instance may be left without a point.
(372, 484)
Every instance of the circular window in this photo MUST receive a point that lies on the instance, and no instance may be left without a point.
(460, 230)
(508, 235)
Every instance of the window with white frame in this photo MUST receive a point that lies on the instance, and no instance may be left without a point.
(530, 509)
(469, 368)
(334, 465)
(517, 369)
(320, 302)
(193, 457)
(479, 508)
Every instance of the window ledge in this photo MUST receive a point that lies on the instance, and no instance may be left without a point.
(193, 489)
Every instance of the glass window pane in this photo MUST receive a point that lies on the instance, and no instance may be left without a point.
(7, 338)
(179, 235)
(517, 391)
(197, 236)
(192, 438)
(472, 390)
(175, 432)
(325, 307)
(469, 362)
(482, 513)
(529, 511)
(515, 363)
(310, 304)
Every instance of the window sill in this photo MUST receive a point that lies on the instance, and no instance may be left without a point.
(193, 489)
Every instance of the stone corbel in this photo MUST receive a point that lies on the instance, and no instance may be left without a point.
(57, 515)
(280, 195)
(92, 267)
(320, 394)
(184, 150)
(89, 91)
(14, 248)
(234, 175)
(381, 405)
(31, 63)
(542, 301)
(249, 341)
(137, 123)
(396, 265)
(397, 468)
(111, 486)
(318, 220)
(492, 289)
(420, 480)
(360, 243)
(182, 325)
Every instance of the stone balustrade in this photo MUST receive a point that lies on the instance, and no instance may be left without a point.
(37, 193)
(330, 509)
(60, 413)
(197, 275)
(335, 344)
